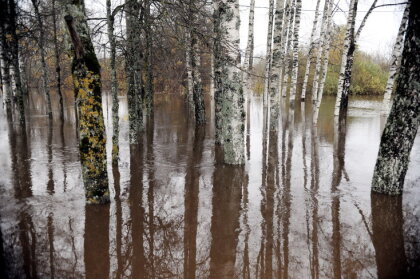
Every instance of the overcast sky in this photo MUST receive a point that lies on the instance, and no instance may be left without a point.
(377, 36)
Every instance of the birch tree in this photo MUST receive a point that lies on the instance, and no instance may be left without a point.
(114, 84)
(395, 60)
(133, 69)
(188, 65)
(218, 63)
(350, 44)
(10, 55)
(148, 94)
(310, 51)
(295, 65)
(249, 52)
(283, 44)
(320, 49)
(195, 64)
(404, 118)
(288, 49)
(232, 102)
(5, 72)
(276, 64)
(325, 55)
(268, 52)
(42, 53)
(87, 88)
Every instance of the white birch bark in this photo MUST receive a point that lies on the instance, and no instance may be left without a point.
(232, 107)
(310, 51)
(276, 64)
(286, 16)
(5, 78)
(268, 52)
(348, 49)
(395, 61)
(295, 65)
(189, 69)
(320, 45)
(325, 59)
(288, 50)
(249, 52)
(404, 118)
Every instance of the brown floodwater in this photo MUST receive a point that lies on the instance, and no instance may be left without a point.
(301, 207)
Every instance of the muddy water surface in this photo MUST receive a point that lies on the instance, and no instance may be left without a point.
(301, 207)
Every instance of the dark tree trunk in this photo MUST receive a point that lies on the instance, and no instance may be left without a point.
(57, 61)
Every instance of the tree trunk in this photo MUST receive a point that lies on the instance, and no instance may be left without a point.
(133, 70)
(395, 61)
(288, 50)
(148, 96)
(346, 61)
(199, 109)
(87, 86)
(114, 83)
(5, 74)
(218, 62)
(276, 65)
(283, 45)
(57, 61)
(310, 51)
(231, 78)
(195, 57)
(249, 52)
(268, 53)
(188, 64)
(403, 121)
(325, 55)
(10, 56)
(295, 65)
(320, 49)
(41, 45)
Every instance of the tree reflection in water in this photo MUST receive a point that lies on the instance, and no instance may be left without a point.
(299, 208)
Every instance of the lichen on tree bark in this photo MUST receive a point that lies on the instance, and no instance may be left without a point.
(87, 88)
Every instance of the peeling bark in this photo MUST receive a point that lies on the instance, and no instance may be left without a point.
(395, 61)
(87, 88)
(310, 51)
(404, 119)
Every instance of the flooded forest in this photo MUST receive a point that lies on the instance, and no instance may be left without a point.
(164, 139)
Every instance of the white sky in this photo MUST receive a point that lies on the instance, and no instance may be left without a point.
(378, 35)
